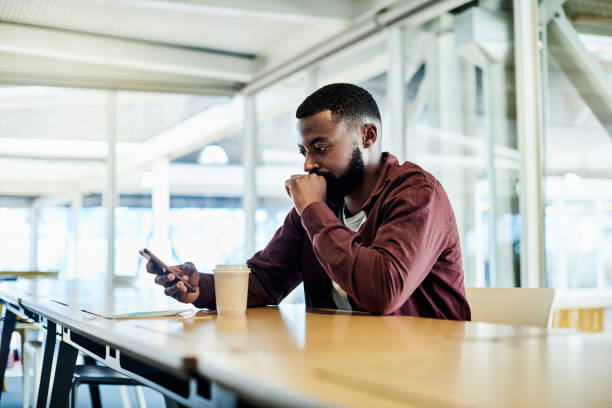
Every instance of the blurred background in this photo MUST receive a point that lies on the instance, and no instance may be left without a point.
(171, 125)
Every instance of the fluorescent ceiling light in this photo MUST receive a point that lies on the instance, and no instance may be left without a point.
(213, 154)
(572, 179)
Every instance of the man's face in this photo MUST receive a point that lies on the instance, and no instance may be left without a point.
(331, 149)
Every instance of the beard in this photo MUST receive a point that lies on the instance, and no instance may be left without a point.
(340, 187)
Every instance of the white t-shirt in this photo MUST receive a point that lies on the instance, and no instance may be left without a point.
(338, 294)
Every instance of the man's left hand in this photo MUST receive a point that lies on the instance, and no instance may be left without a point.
(306, 189)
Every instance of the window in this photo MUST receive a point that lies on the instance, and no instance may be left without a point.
(14, 239)
(578, 148)
(460, 126)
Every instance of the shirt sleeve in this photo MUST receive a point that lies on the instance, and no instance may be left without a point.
(275, 270)
(381, 277)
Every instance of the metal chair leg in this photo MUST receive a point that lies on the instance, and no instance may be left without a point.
(8, 324)
(94, 392)
(73, 393)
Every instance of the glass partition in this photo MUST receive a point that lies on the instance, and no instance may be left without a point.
(53, 234)
(460, 126)
(577, 87)
(54, 145)
(14, 239)
(277, 153)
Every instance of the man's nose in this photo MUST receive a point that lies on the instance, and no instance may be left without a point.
(309, 164)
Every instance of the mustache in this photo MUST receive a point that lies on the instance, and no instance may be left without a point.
(330, 179)
(325, 174)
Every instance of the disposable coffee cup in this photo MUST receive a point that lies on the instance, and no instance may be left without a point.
(231, 288)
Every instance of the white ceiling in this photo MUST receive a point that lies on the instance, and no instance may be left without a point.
(181, 23)
(198, 41)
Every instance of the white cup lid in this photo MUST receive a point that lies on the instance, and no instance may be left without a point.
(232, 268)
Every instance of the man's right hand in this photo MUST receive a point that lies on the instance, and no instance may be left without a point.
(174, 287)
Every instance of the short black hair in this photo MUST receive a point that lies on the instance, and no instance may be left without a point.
(344, 101)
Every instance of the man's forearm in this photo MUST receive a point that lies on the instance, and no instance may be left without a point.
(207, 292)
(258, 295)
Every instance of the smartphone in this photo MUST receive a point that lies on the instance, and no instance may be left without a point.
(150, 256)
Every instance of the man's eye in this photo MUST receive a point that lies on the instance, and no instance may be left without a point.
(319, 148)
(303, 152)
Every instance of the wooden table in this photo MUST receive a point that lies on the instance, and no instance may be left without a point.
(287, 356)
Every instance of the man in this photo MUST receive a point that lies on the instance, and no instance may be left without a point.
(365, 233)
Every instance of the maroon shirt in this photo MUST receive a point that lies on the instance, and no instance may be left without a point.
(404, 260)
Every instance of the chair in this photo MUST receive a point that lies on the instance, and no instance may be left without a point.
(516, 306)
(95, 375)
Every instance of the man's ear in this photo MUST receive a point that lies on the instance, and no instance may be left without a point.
(369, 134)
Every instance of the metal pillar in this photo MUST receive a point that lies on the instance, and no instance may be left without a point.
(249, 164)
(529, 129)
(444, 72)
(395, 86)
(313, 79)
(489, 82)
(75, 207)
(34, 218)
(160, 202)
(110, 199)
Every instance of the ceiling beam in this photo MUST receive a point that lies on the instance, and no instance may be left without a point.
(194, 133)
(36, 178)
(76, 150)
(414, 12)
(28, 70)
(68, 46)
(295, 10)
(581, 68)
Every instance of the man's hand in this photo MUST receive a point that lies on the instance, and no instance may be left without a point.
(175, 287)
(306, 189)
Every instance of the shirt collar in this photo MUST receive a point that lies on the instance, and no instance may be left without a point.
(388, 161)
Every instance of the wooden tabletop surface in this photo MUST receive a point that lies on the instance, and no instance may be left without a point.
(286, 355)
